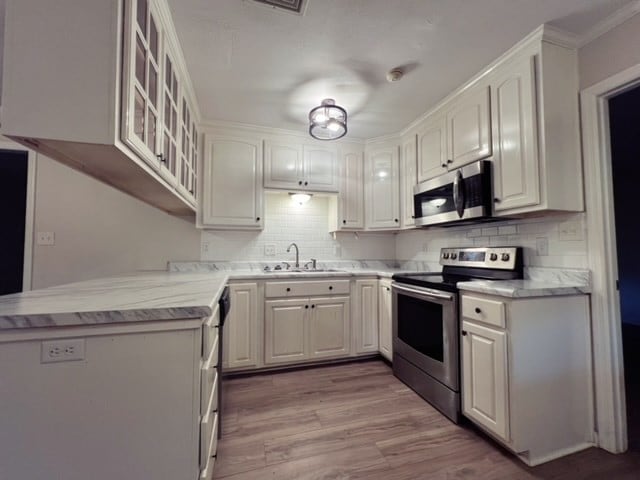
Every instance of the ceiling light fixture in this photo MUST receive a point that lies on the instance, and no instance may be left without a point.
(328, 121)
(300, 198)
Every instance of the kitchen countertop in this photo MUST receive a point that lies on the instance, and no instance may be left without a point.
(157, 296)
(522, 288)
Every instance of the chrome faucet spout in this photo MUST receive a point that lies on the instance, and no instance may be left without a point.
(297, 254)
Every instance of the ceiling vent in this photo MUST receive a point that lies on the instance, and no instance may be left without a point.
(290, 6)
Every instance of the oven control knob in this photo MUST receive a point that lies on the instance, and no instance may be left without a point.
(454, 256)
(493, 257)
(505, 257)
(445, 255)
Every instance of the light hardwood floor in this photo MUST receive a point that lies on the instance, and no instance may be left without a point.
(357, 421)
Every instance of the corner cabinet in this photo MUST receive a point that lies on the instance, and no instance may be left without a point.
(526, 372)
(537, 156)
(382, 187)
(232, 186)
(292, 165)
(346, 210)
(365, 316)
(120, 124)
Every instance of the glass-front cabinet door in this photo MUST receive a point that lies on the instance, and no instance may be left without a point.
(188, 156)
(141, 122)
(171, 116)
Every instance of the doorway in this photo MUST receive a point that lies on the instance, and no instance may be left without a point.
(624, 128)
(17, 187)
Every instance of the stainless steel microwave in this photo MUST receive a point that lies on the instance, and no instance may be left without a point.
(464, 195)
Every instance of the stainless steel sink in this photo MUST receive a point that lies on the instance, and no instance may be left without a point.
(304, 270)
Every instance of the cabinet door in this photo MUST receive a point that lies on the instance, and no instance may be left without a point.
(384, 315)
(432, 148)
(170, 117)
(241, 327)
(232, 196)
(285, 330)
(187, 154)
(382, 183)
(365, 316)
(408, 179)
(515, 160)
(329, 327)
(484, 377)
(469, 128)
(320, 168)
(142, 81)
(351, 196)
(283, 165)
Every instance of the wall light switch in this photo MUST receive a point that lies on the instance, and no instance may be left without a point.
(270, 250)
(46, 238)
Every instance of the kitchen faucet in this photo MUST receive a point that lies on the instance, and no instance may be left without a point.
(297, 254)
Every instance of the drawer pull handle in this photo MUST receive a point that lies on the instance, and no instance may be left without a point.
(288, 289)
(464, 334)
(478, 310)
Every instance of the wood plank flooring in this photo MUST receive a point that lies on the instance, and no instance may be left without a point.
(357, 421)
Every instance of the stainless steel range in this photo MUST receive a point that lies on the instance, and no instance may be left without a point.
(426, 324)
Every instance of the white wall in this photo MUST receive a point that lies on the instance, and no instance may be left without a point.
(307, 225)
(613, 52)
(425, 244)
(100, 231)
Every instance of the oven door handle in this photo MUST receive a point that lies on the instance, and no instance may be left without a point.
(458, 193)
(425, 292)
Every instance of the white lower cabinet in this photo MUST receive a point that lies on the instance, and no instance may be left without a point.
(365, 316)
(384, 317)
(241, 333)
(300, 329)
(526, 373)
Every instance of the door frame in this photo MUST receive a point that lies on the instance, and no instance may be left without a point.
(27, 269)
(611, 420)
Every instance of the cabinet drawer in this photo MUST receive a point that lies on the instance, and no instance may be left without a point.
(302, 289)
(210, 354)
(208, 389)
(208, 438)
(483, 310)
(210, 332)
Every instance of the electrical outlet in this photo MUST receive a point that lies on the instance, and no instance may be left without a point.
(46, 238)
(270, 250)
(542, 246)
(62, 350)
(205, 247)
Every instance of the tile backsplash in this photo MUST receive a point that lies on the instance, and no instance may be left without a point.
(287, 222)
(557, 241)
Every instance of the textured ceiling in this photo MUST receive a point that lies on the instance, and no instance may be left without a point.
(252, 64)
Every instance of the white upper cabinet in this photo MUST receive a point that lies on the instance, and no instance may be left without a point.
(382, 187)
(469, 128)
(233, 195)
(537, 159)
(408, 179)
(432, 147)
(292, 165)
(347, 208)
(515, 134)
(102, 113)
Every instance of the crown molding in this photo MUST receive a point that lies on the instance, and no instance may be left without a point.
(609, 23)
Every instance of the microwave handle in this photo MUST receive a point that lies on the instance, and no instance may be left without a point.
(458, 193)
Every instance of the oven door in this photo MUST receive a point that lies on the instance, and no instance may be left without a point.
(425, 330)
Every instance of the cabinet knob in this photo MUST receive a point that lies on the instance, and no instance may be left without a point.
(257, 219)
(288, 289)
(191, 191)
(395, 220)
(161, 158)
(464, 334)
(300, 182)
(344, 222)
(413, 216)
(444, 165)
(330, 287)
(313, 306)
(387, 288)
(306, 306)
(496, 200)
(449, 161)
(306, 183)
(478, 310)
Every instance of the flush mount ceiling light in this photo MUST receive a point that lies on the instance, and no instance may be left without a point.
(328, 121)
(300, 198)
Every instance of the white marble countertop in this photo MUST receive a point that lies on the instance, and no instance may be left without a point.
(523, 288)
(157, 296)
